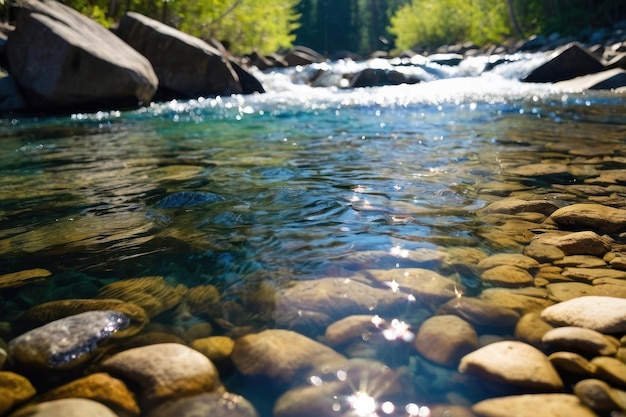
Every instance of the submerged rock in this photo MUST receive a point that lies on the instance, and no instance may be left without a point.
(67, 407)
(514, 363)
(188, 199)
(596, 217)
(446, 339)
(100, 387)
(164, 371)
(280, 355)
(533, 405)
(603, 314)
(67, 342)
(214, 404)
(14, 389)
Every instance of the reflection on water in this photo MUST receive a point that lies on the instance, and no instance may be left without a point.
(241, 197)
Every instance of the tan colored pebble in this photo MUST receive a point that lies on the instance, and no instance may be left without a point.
(611, 370)
(507, 276)
(100, 387)
(446, 339)
(509, 259)
(579, 339)
(216, 348)
(603, 314)
(543, 253)
(591, 217)
(578, 243)
(164, 371)
(533, 405)
(599, 395)
(531, 328)
(590, 274)
(563, 291)
(66, 407)
(514, 363)
(581, 261)
(14, 389)
(573, 363)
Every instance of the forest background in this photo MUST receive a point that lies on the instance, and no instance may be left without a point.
(361, 26)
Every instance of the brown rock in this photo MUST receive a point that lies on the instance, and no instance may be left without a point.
(14, 390)
(580, 261)
(425, 285)
(217, 348)
(507, 276)
(516, 205)
(599, 396)
(280, 354)
(479, 312)
(17, 279)
(611, 370)
(67, 407)
(100, 387)
(446, 339)
(579, 243)
(164, 371)
(592, 274)
(578, 339)
(603, 314)
(319, 302)
(596, 217)
(543, 253)
(352, 328)
(54, 310)
(563, 291)
(514, 363)
(522, 300)
(533, 405)
(531, 328)
(572, 363)
(154, 294)
(215, 404)
(509, 259)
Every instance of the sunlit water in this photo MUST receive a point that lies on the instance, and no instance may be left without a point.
(301, 182)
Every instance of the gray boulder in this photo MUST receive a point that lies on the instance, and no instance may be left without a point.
(568, 62)
(187, 66)
(63, 61)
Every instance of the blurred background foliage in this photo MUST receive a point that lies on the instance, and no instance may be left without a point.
(361, 26)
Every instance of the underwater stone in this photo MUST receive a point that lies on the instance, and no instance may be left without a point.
(67, 342)
(188, 199)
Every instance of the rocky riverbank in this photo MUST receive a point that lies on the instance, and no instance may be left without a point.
(59, 61)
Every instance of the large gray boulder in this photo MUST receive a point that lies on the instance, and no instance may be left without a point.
(568, 62)
(187, 66)
(62, 60)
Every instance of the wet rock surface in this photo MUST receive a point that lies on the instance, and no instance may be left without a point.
(67, 342)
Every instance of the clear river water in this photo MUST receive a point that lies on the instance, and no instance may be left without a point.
(299, 183)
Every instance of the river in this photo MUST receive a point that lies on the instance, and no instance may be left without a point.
(300, 183)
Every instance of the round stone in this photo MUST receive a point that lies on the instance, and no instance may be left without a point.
(446, 339)
(508, 259)
(517, 205)
(602, 219)
(164, 371)
(581, 340)
(217, 348)
(578, 243)
(572, 363)
(351, 328)
(543, 253)
(611, 370)
(14, 389)
(213, 404)
(599, 396)
(100, 387)
(280, 354)
(603, 314)
(480, 313)
(563, 291)
(531, 328)
(533, 405)
(507, 276)
(68, 407)
(514, 363)
(67, 342)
